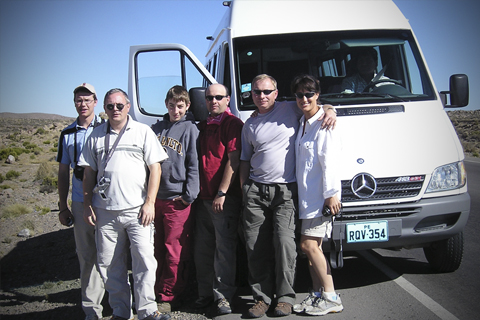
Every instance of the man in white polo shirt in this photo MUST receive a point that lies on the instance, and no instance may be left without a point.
(122, 173)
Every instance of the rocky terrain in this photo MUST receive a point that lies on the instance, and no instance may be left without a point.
(39, 267)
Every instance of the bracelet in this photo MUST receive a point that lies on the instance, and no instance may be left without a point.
(332, 108)
(63, 211)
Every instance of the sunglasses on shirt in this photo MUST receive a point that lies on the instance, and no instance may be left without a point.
(300, 95)
(120, 106)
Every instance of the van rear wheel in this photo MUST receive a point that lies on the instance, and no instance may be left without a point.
(445, 255)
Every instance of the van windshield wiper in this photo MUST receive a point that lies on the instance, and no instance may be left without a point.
(361, 94)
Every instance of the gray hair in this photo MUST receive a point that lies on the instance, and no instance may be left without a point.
(116, 90)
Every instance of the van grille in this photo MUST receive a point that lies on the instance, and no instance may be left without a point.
(377, 212)
(386, 188)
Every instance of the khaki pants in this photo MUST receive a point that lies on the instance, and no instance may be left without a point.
(91, 283)
(116, 231)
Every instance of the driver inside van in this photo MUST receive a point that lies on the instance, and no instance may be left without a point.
(365, 71)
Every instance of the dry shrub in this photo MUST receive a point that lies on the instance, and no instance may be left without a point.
(15, 210)
(47, 173)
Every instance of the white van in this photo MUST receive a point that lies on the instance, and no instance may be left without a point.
(403, 177)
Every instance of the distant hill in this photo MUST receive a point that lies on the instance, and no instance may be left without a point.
(34, 115)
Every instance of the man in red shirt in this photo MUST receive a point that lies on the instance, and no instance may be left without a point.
(218, 209)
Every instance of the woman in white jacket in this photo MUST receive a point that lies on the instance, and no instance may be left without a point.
(319, 187)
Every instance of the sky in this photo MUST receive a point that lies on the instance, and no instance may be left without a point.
(47, 48)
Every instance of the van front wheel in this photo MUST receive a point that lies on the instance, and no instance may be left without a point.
(445, 255)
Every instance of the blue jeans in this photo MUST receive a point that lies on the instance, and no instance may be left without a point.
(269, 227)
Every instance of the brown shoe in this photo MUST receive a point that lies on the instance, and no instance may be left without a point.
(258, 310)
(283, 309)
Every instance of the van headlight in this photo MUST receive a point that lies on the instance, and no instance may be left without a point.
(448, 177)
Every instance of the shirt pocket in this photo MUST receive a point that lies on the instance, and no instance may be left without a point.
(308, 154)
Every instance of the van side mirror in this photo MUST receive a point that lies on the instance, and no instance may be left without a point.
(198, 106)
(459, 92)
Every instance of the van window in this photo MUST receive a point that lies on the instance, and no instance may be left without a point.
(158, 71)
(226, 71)
(332, 57)
(213, 72)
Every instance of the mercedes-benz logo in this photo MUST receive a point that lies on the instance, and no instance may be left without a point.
(364, 185)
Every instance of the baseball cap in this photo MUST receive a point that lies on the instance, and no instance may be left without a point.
(86, 86)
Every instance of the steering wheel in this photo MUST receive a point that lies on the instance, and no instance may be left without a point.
(374, 83)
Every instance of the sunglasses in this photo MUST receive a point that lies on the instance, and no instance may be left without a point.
(120, 106)
(265, 92)
(308, 95)
(218, 98)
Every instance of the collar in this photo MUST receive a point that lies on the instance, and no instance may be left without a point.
(187, 117)
(108, 128)
(219, 118)
(315, 116)
(94, 123)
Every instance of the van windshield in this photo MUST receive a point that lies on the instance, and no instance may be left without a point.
(357, 67)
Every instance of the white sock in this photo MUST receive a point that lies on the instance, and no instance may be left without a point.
(332, 296)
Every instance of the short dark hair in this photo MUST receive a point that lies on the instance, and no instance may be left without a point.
(178, 93)
(366, 51)
(306, 82)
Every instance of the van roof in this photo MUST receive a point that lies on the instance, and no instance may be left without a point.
(248, 18)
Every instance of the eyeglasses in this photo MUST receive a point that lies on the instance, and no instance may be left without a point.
(119, 106)
(218, 98)
(308, 95)
(87, 102)
(265, 92)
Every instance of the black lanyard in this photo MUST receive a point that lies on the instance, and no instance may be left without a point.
(75, 154)
(109, 152)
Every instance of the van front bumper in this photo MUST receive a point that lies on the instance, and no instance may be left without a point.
(413, 224)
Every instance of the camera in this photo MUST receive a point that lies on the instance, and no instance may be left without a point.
(326, 211)
(101, 186)
(78, 172)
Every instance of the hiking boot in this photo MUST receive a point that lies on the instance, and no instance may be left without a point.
(308, 301)
(157, 316)
(258, 310)
(223, 307)
(283, 309)
(321, 306)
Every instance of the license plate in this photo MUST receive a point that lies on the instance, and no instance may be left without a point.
(375, 231)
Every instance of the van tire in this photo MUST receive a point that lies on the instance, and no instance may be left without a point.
(445, 255)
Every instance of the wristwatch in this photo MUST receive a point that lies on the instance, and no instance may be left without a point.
(221, 194)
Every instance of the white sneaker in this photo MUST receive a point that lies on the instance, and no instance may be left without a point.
(322, 306)
(307, 302)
